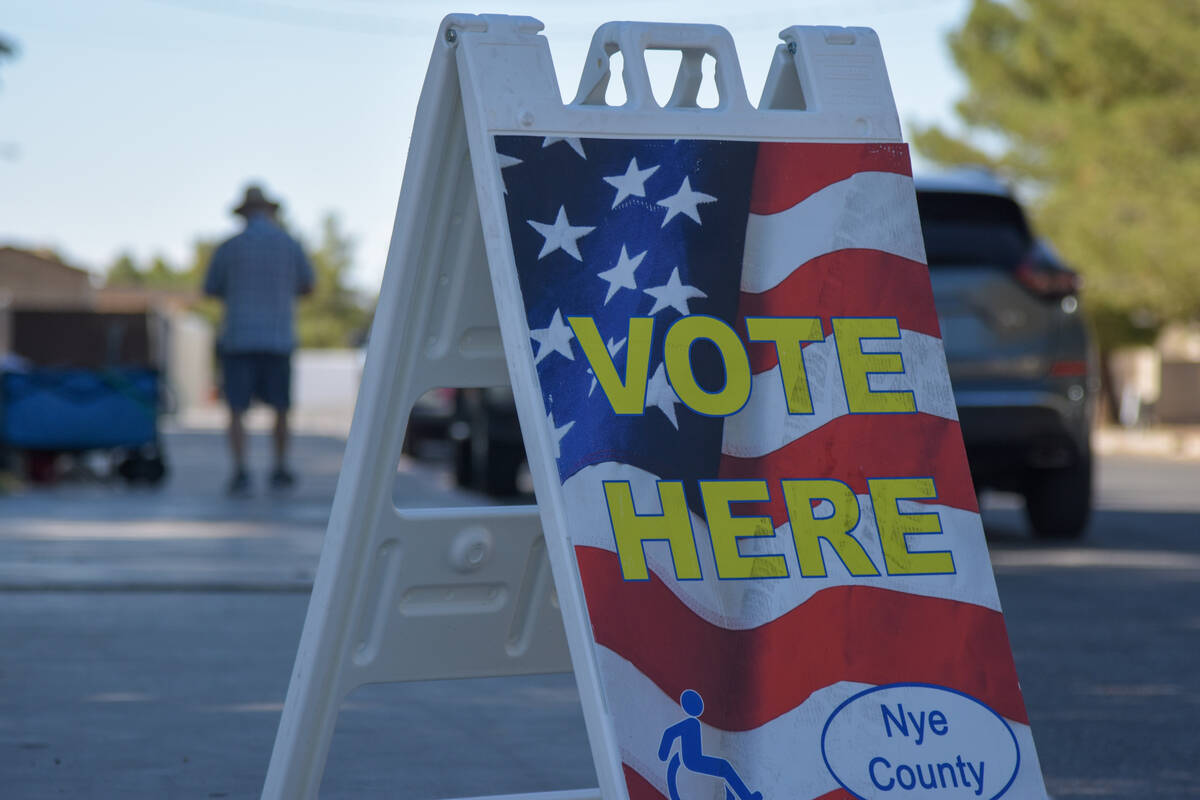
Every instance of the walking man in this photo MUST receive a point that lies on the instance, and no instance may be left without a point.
(258, 275)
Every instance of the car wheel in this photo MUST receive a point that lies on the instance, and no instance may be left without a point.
(1058, 502)
(503, 462)
(486, 465)
(154, 471)
(464, 464)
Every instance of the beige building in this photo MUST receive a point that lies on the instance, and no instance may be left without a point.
(156, 327)
(38, 279)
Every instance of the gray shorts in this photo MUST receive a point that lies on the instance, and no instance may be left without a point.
(267, 376)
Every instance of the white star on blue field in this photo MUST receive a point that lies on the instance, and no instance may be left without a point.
(618, 228)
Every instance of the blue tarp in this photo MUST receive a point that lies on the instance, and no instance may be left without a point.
(48, 408)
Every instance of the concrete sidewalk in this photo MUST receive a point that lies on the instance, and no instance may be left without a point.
(149, 637)
(188, 535)
(1176, 442)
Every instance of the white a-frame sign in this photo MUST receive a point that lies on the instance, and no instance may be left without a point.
(760, 534)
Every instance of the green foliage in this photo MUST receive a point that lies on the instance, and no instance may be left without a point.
(207, 307)
(332, 316)
(159, 275)
(124, 273)
(1095, 104)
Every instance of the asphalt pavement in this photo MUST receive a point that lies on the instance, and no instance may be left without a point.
(1106, 634)
(148, 636)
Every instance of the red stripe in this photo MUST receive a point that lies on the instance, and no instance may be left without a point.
(843, 633)
(844, 283)
(854, 447)
(642, 789)
(639, 787)
(788, 172)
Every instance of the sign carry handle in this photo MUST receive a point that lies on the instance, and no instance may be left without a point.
(633, 39)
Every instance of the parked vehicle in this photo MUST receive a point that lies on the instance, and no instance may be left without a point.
(482, 429)
(489, 452)
(430, 419)
(1018, 350)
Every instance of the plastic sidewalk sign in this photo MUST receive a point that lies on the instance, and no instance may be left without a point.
(761, 539)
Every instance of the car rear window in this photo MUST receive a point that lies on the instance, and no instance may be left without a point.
(965, 229)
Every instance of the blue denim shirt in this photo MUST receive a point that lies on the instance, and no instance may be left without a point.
(258, 274)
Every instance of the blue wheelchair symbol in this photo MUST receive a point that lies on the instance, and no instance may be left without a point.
(691, 756)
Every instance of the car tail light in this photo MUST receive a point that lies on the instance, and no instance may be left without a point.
(1069, 369)
(1048, 281)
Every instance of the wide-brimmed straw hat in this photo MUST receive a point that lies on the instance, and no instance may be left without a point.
(255, 200)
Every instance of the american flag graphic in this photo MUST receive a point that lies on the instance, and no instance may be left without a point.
(621, 228)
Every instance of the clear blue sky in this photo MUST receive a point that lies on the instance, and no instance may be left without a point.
(134, 124)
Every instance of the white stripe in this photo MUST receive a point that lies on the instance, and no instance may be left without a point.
(869, 210)
(780, 758)
(744, 604)
(764, 424)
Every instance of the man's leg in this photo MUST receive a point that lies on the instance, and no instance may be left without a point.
(237, 382)
(237, 440)
(239, 483)
(282, 477)
(278, 390)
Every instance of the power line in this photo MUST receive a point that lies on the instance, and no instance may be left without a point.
(306, 17)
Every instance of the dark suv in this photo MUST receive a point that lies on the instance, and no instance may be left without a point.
(1016, 344)
(1018, 349)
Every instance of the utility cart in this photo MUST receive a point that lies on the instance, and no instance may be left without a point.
(78, 382)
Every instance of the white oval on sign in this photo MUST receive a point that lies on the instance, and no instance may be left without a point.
(919, 740)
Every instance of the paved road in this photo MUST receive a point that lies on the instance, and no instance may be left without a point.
(1107, 635)
(148, 638)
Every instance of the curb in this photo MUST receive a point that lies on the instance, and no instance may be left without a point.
(151, 587)
(1179, 444)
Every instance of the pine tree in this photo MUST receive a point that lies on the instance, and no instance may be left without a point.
(1094, 106)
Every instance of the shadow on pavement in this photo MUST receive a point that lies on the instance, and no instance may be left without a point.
(149, 638)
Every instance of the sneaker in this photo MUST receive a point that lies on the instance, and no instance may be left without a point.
(282, 479)
(239, 484)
